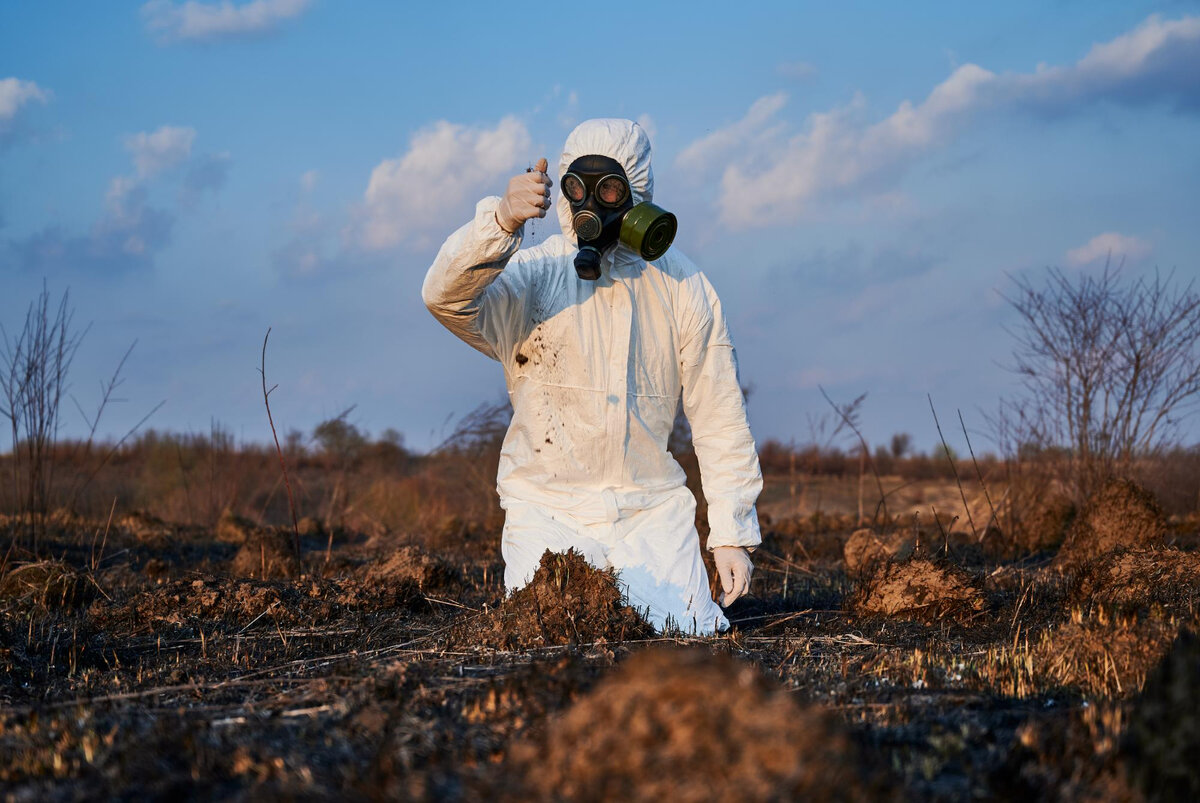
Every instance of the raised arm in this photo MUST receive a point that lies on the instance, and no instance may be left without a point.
(460, 288)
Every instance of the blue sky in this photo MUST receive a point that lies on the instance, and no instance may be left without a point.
(859, 181)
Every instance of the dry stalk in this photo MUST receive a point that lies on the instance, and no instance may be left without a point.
(866, 453)
(279, 450)
(979, 474)
(954, 468)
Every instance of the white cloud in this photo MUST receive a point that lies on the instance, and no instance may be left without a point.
(796, 70)
(308, 180)
(772, 174)
(413, 197)
(15, 93)
(1110, 244)
(193, 20)
(161, 150)
(649, 126)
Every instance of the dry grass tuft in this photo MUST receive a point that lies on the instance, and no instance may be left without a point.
(49, 583)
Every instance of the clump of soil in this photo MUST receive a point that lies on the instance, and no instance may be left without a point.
(411, 564)
(48, 583)
(234, 529)
(265, 554)
(687, 725)
(1162, 744)
(1137, 579)
(865, 547)
(1121, 515)
(1102, 656)
(568, 601)
(145, 527)
(919, 589)
(1042, 524)
(240, 603)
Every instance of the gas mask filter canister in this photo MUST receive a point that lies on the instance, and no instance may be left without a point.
(603, 213)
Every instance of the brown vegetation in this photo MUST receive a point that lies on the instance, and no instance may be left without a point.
(687, 725)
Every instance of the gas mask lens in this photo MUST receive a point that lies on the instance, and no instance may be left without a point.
(612, 191)
(572, 187)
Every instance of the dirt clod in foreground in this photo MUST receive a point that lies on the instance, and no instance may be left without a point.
(568, 601)
(687, 725)
(1121, 515)
(920, 589)
(1162, 742)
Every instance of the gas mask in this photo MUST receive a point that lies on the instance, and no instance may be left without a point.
(603, 213)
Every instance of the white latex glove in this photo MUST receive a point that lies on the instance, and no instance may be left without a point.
(528, 195)
(734, 567)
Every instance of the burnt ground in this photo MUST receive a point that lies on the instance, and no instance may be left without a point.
(154, 661)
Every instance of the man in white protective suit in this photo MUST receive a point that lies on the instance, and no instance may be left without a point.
(598, 345)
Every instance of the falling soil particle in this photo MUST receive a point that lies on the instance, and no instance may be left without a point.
(411, 564)
(1119, 515)
(865, 547)
(1162, 744)
(522, 359)
(918, 589)
(688, 725)
(568, 601)
(1137, 579)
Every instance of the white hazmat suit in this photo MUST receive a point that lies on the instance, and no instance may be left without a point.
(595, 371)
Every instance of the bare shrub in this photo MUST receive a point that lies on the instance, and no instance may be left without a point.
(1109, 368)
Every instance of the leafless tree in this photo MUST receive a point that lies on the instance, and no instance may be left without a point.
(36, 362)
(1109, 367)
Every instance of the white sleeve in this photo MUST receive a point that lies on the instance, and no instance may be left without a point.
(716, 409)
(467, 288)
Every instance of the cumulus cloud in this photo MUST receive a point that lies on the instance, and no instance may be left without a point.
(1110, 244)
(414, 197)
(206, 173)
(195, 21)
(773, 174)
(14, 94)
(158, 151)
(129, 231)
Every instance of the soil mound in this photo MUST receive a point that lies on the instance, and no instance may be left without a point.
(49, 583)
(265, 554)
(1121, 515)
(919, 589)
(241, 604)
(687, 725)
(1162, 744)
(1101, 656)
(864, 548)
(568, 601)
(145, 527)
(1042, 524)
(1137, 579)
(411, 564)
(234, 529)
